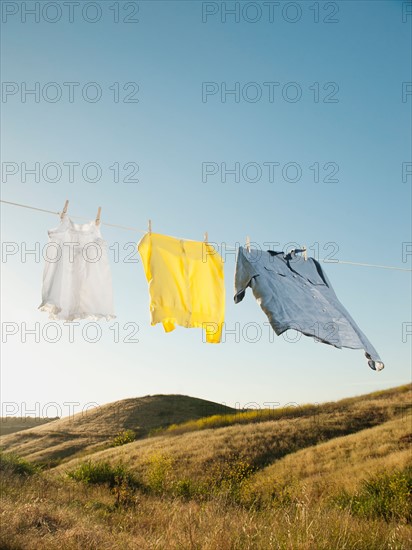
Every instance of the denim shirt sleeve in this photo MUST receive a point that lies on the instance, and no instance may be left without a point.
(245, 271)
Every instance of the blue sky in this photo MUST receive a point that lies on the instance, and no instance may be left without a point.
(350, 119)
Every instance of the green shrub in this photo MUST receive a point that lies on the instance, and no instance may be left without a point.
(10, 462)
(101, 473)
(122, 483)
(229, 477)
(184, 488)
(158, 473)
(387, 496)
(123, 437)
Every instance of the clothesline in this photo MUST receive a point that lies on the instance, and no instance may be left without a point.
(57, 213)
(136, 230)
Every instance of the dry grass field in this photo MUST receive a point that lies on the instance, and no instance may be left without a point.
(12, 424)
(333, 476)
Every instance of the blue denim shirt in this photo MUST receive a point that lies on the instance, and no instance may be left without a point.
(296, 294)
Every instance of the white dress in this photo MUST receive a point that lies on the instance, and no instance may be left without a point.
(77, 281)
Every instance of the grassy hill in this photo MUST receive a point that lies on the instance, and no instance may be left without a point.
(96, 428)
(198, 454)
(333, 476)
(338, 464)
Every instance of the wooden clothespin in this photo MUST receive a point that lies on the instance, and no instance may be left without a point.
(64, 211)
(149, 226)
(99, 211)
(248, 244)
(305, 253)
(206, 237)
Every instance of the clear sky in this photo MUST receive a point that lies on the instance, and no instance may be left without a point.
(289, 122)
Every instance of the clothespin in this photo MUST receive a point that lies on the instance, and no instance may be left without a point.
(248, 244)
(206, 237)
(305, 253)
(63, 213)
(99, 211)
(149, 226)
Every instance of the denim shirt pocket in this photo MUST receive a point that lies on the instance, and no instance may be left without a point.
(316, 281)
(275, 271)
(314, 277)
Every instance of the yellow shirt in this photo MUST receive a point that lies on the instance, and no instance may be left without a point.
(186, 284)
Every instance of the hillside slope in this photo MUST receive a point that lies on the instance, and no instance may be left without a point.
(96, 427)
(339, 476)
(12, 424)
(340, 464)
(196, 453)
